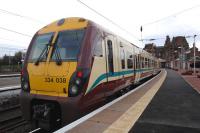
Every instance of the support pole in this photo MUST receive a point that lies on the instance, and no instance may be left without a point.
(194, 57)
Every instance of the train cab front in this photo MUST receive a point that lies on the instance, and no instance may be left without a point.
(51, 80)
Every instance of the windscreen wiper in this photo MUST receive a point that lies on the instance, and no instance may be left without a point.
(58, 57)
(44, 51)
(57, 52)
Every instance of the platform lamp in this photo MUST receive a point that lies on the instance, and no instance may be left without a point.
(194, 56)
(141, 29)
(181, 57)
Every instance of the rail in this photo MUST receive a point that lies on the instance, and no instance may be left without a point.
(11, 118)
(10, 88)
(10, 75)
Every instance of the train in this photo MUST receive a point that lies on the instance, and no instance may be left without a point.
(73, 64)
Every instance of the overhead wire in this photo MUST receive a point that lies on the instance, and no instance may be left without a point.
(12, 48)
(152, 39)
(13, 31)
(164, 18)
(175, 14)
(106, 18)
(21, 16)
(18, 15)
(2, 38)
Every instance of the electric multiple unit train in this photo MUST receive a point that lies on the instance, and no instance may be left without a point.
(73, 64)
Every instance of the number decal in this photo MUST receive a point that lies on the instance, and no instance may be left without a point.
(60, 80)
(64, 80)
(57, 80)
(49, 80)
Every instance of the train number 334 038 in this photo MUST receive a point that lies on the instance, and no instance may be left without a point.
(55, 80)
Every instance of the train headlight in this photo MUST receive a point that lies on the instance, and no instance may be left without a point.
(25, 86)
(25, 80)
(78, 81)
(73, 91)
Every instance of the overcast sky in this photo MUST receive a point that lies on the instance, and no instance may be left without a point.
(158, 17)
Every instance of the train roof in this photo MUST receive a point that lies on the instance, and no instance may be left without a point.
(78, 22)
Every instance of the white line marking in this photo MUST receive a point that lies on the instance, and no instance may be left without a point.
(136, 109)
(34, 130)
(86, 117)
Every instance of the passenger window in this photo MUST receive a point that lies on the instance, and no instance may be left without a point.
(146, 62)
(98, 47)
(142, 60)
(110, 56)
(138, 61)
(135, 62)
(149, 62)
(129, 60)
(122, 56)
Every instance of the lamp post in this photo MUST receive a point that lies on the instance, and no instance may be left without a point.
(174, 60)
(194, 56)
(181, 57)
(9, 59)
(141, 29)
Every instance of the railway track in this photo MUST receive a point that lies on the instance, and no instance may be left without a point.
(9, 99)
(11, 118)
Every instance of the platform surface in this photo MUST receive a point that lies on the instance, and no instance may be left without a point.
(174, 109)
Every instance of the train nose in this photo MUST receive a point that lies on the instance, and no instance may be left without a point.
(52, 80)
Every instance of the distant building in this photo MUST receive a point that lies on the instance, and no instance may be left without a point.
(175, 52)
(160, 52)
(151, 48)
(191, 51)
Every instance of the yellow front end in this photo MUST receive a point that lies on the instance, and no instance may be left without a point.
(49, 78)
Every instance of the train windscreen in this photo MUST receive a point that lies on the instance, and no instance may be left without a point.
(40, 47)
(68, 44)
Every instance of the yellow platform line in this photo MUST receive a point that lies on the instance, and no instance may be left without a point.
(128, 119)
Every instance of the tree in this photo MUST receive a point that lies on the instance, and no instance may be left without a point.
(5, 60)
(1, 61)
(17, 58)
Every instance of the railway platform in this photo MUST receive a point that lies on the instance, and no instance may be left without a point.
(194, 81)
(165, 104)
(174, 109)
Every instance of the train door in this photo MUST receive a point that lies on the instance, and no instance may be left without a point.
(110, 65)
(98, 80)
(134, 67)
(137, 68)
(122, 64)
